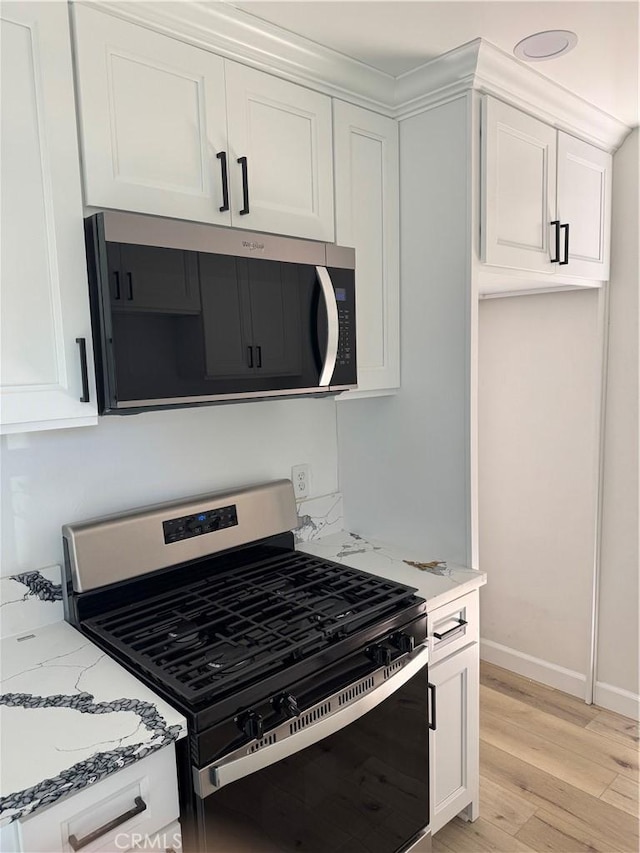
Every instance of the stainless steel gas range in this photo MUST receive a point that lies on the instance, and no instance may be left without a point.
(304, 682)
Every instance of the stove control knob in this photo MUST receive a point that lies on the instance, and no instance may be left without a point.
(380, 655)
(403, 642)
(286, 704)
(251, 725)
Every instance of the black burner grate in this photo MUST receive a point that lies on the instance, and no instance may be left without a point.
(233, 628)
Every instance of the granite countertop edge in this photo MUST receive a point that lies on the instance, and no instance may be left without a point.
(54, 669)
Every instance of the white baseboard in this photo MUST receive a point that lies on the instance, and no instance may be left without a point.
(540, 670)
(606, 695)
(616, 699)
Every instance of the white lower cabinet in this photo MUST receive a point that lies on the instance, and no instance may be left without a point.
(125, 811)
(166, 840)
(454, 744)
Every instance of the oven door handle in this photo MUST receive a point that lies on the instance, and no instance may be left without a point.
(231, 768)
(331, 305)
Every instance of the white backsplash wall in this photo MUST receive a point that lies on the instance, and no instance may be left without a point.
(51, 478)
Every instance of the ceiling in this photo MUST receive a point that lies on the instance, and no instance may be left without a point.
(396, 36)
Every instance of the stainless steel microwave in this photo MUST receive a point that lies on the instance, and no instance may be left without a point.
(188, 314)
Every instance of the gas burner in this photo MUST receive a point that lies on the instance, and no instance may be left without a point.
(335, 608)
(229, 658)
(186, 635)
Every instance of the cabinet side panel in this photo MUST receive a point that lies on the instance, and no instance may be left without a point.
(618, 664)
(404, 459)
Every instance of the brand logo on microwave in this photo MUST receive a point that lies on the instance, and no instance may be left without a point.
(253, 245)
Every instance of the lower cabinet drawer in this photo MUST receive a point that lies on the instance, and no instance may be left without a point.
(166, 840)
(453, 626)
(112, 814)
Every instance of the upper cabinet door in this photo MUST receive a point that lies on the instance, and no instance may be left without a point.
(153, 120)
(519, 189)
(584, 204)
(285, 184)
(367, 217)
(46, 328)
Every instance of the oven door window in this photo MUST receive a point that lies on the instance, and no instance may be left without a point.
(364, 789)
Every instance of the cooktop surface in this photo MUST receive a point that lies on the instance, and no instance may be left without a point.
(233, 628)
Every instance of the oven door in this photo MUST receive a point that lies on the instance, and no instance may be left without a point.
(350, 775)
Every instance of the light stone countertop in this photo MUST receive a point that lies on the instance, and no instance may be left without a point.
(69, 714)
(439, 585)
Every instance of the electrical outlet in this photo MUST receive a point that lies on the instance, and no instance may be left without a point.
(300, 476)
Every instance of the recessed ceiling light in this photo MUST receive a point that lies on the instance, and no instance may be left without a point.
(546, 45)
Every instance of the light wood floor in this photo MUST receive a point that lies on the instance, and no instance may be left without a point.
(555, 774)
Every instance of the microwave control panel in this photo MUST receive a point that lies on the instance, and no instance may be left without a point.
(345, 333)
(208, 521)
(345, 327)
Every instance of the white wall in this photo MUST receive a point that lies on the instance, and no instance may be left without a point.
(618, 664)
(538, 383)
(52, 478)
(404, 468)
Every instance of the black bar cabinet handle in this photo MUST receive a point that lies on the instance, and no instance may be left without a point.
(556, 223)
(565, 225)
(432, 707)
(245, 186)
(458, 627)
(116, 276)
(130, 285)
(79, 843)
(222, 156)
(250, 355)
(82, 343)
(259, 355)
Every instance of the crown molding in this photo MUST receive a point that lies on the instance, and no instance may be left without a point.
(500, 74)
(237, 35)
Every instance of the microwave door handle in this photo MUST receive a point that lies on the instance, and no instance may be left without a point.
(332, 325)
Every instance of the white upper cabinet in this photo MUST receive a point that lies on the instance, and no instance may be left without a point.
(546, 197)
(519, 177)
(367, 217)
(284, 132)
(584, 205)
(46, 357)
(170, 129)
(153, 120)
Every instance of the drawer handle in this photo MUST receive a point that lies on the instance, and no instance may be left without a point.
(79, 843)
(457, 629)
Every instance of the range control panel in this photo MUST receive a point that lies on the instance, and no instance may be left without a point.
(197, 525)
